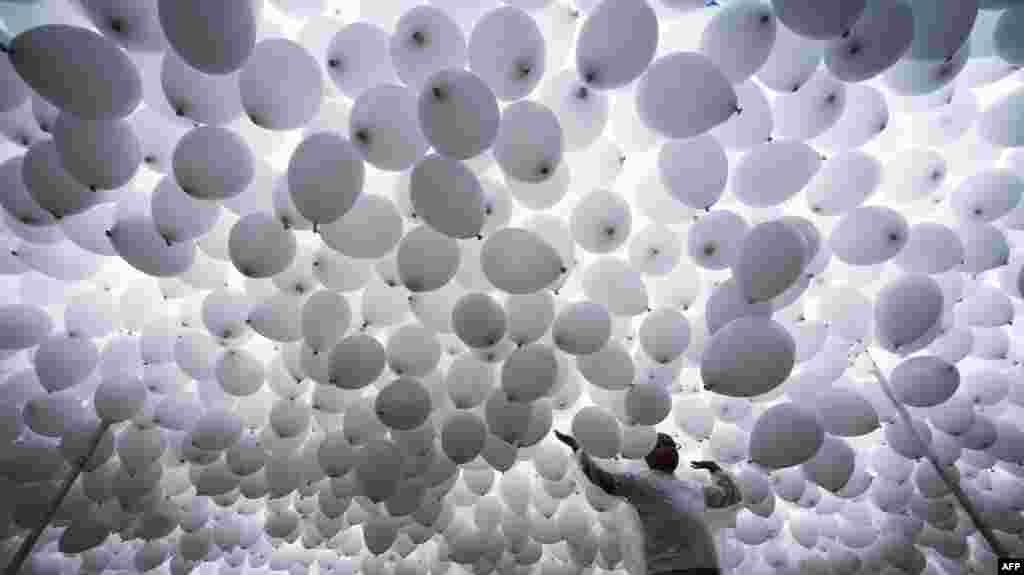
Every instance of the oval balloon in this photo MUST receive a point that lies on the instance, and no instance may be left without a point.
(748, 357)
(448, 196)
(220, 41)
(878, 39)
(677, 109)
(325, 177)
(463, 122)
(609, 56)
(772, 257)
(275, 105)
(519, 262)
(869, 235)
(101, 154)
(213, 163)
(426, 40)
(908, 314)
(427, 260)
(507, 51)
(529, 144)
(54, 57)
(384, 127)
(785, 435)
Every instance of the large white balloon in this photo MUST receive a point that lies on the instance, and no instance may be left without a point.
(531, 372)
(260, 246)
(582, 328)
(601, 222)
(987, 195)
(932, 248)
(519, 262)
(694, 171)
(218, 41)
(785, 435)
(613, 283)
(180, 217)
(100, 154)
(845, 413)
(507, 50)
(908, 314)
(427, 260)
(426, 40)
(273, 102)
(869, 235)
(403, 404)
(880, 36)
(138, 242)
(941, 27)
(78, 71)
(359, 58)
(447, 196)
(683, 95)
(213, 163)
(51, 187)
(843, 183)
(772, 258)
(748, 357)
(325, 177)
(200, 97)
(610, 56)
(791, 163)
(811, 110)
(458, 114)
(739, 38)
(924, 381)
(832, 465)
(529, 144)
(384, 127)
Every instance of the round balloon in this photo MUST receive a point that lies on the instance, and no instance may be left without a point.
(750, 356)
(908, 314)
(610, 56)
(683, 95)
(218, 41)
(507, 51)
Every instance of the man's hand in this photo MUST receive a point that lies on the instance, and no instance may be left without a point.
(568, 440)
(708, 465)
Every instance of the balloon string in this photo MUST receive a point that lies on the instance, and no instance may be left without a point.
(76, 469)
(950, 481)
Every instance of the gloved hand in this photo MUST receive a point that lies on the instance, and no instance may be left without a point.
(568, 440)
(708, 465)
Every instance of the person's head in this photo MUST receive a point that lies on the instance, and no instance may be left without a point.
(665, 455)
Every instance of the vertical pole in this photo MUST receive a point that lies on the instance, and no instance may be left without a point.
(951, 481)
(76, 469)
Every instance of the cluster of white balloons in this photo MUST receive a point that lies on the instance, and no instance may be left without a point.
(306, 284)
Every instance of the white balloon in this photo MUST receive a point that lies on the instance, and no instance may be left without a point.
(119, 397)
(403, 404)
(785, 435)
(598, 432)
(931, 249)
(655, 250)
(478, 320)
(519, 262)
(213, 163)
(582, 111)
(791, 163)
(51, 187)
(772, 258)
(845, 413)
(610, 368)
(529, 373)
(507, 50)
(138, 242)
(750, 126)
(865, 116)
(64, 361)
(384, 128)
(220, 41)
(844, 182)
(369, 230)
(463, 436)
(325, 177)
(869, 235)
(216, 430)
(678, 109)
(611, 282)
(180, 217)
(530, 143)
(917, 77)
(793, 60)
(817, 20)
(240, 373)
(447, 196)
(987, 196)
(811, 110)
(101, 154)
(985, 247)
(359, 58)
(714, 241)
(1000, 123)
(205, 98)
(924, 381)
(877, 39)
(260, 246)
(609, 56)
(832, 466)
(664, 335)
(582, 328)
(271, 103)
(53, 57)
(739, 39)
(601, 222)
(748, 357)
(908, 314)
(426, 259)
(326, 316)
(529, 316)
(694, 171)
(458, 114)
(426, 40)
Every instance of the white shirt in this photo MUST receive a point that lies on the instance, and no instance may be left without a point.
(671, 513)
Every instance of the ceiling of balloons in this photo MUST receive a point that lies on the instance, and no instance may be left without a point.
(304, 285)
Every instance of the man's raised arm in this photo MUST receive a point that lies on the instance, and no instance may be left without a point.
(723, 492)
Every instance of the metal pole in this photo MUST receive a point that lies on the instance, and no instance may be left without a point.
(951, 481)
(76, 469)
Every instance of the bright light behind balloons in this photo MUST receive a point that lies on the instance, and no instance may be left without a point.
(305, 285)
